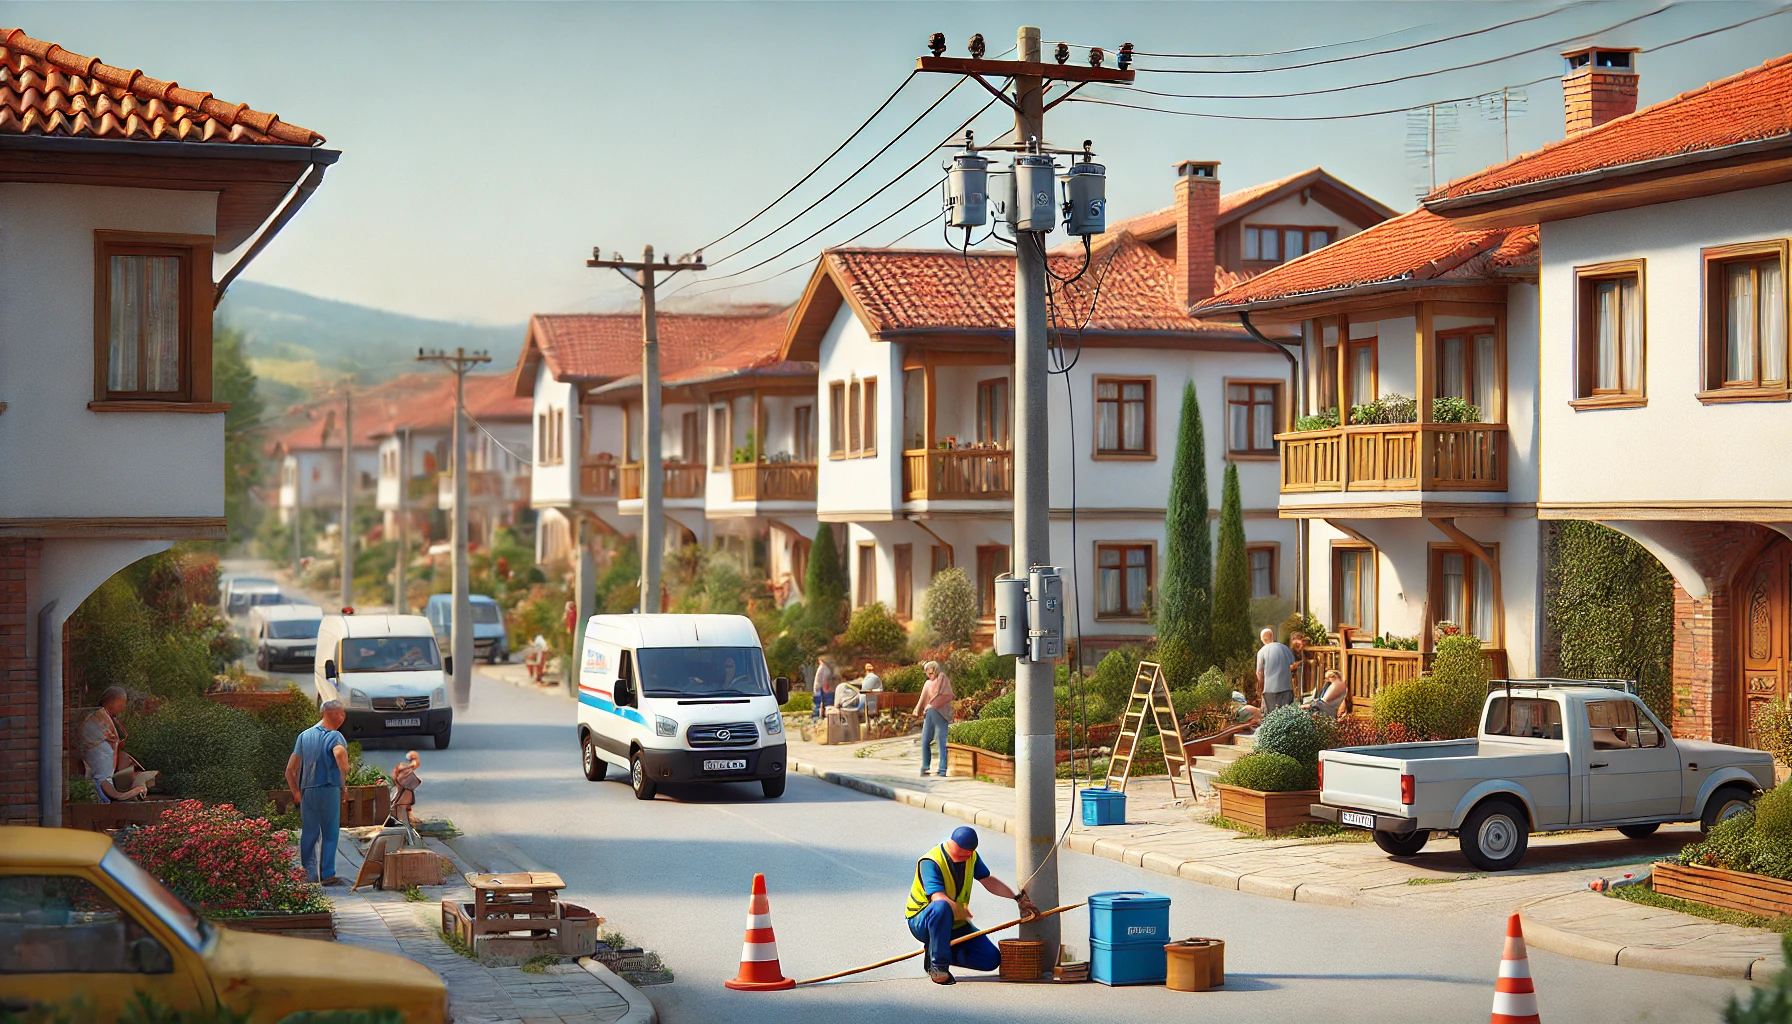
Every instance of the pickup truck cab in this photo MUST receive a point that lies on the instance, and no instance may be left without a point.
(491, 640)
(387, 672)
(680, 698)
(81, 921)
(1551, 755)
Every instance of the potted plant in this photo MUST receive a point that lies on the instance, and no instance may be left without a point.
(1271, 788)
(983, 747)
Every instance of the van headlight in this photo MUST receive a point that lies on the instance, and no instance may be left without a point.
(774, 723)
(359, 701)
(439, 699)
(663, 726)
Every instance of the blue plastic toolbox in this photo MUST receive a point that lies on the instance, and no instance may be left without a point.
(1104, 807)
(1130, 918)
(1141, 964)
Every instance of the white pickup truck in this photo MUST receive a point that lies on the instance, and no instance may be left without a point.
(1552, 754)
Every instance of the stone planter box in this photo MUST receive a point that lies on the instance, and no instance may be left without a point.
(361, 805)
(304, 926)
(1721, 887)
(1267, 812)
(970, 761)
(105, 817)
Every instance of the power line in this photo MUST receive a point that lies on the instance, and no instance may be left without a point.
(1276, 53)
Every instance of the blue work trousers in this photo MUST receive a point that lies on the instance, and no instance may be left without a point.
(933, 730)
(935, 927)
(320, 825)
(823, 699)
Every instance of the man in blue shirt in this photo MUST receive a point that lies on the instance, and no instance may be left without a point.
(314, 775)
(939, 906)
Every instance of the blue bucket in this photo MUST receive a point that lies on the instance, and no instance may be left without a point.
(1104, 807)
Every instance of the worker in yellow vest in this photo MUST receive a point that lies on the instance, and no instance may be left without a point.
(939, 906)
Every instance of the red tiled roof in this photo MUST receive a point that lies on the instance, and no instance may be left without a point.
(47, 90)
(418, 401)
(599, 347)
(1158, 224)
(1417, 246)
(757, 349)
(1751, 106)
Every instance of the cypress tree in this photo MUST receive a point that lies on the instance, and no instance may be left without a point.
(1231, 577)
(824, 586)
(233, 381)
(1185, 597)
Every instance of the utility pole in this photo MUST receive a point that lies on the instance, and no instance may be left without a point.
(404, 524)
(460, 635)
(646, 275)
(347, 536)
(1035, 738)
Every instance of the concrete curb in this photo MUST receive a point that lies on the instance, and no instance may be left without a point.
(1665, 959)
(640, 1010)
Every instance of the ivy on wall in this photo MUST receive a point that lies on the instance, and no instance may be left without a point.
(1609, 611)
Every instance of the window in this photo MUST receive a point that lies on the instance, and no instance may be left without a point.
(837, 419)
(993, 411)
(1264, 561)
(550, 436)
(1615, 725)
(1462, 593)
(1745, 334)
(1123, 417)
(1468, 368)
(152, 334)
(1531, 718)
(633, 429)
(691, 438)
(1353, 588)
(1123, 580)
(803, 428)
(63, 924)
(854, 418)
(1267, 243)
(866, 591)
(992, 561)
(904, 557)
(868, 433)
(718, 437)
(1364, 366)
(1252, 414)
(914, 408)
(1609, 334)
(942, 559)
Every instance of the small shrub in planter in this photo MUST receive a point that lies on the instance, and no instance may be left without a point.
(1318, 421)
(873, 633)
(1759, 842)
(222, 862)
(907, 679)
(1268, 772)
(995, 735)
(949, 607)
(1001, 707)
(1295, 732)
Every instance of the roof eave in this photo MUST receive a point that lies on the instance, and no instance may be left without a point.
(180, 150)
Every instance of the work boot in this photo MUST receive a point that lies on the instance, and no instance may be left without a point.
(941, 976)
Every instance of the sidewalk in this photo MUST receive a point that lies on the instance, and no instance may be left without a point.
(1171, 836)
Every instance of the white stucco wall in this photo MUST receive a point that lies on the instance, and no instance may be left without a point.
(1291, 211)
(870, 484)
(62, 459)
(553, 486)
(1674, 449)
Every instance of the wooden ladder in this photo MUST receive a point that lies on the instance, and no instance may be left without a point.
(1150, 695)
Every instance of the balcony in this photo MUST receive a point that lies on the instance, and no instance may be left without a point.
(1367, 670)
(598, 478)
(774, 481)
(1396, 457)
(957, 473)
(682, 480)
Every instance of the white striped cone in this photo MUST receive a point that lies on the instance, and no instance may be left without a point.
(759, 970)
(1514, 997)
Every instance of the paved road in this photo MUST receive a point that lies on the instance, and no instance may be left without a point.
(674, 876)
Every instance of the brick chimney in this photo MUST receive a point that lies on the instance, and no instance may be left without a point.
(1197, 211)
(1600, 84)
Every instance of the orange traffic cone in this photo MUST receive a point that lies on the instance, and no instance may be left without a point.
(759, 970)
(1514, 998)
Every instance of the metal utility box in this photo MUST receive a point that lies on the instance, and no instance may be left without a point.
(1086, 199)
(1034, 184)
(1011, 616)
(1001, 192)
(967, 191)
(1045, 613)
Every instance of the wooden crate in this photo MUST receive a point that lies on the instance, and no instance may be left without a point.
(457, 920)
(412, 866)
(1721, 887)
(1267, 812)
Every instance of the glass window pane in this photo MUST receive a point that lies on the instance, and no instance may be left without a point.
(1260, 578)
(61, 924)
(1632, 335)
(1263, 427)
(126, 289)
(1110, 557)
(1238, 429)
(1452, 375)
(1250, 244)
(1107, 389)
(1318, 239)
(1136, 583)
(1605, 315)
(870, 416)
(1238, 392)
(1293, 243)
(1486, 391)
(1134, 434)
(1739, 324)
(1134, 392)
(1485, 604)
(161, 342)
(1450, 606)
(1108, 599)
(914, 407)
(1263, 393)
(1773, 322)
(1107, 426)
(1270, 245)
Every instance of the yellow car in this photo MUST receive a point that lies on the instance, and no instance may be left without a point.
(79, 918)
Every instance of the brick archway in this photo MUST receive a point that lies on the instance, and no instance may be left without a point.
(1761, 613)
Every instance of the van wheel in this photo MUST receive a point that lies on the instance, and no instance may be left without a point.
(442, 738)
(595, 767)
(637, 777)
(1726, 803)
(1639, 831)
(1402, 844)
(774, 788)
(1495, 835)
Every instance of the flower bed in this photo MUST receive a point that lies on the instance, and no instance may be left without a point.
(1266, 812)
(227, 865)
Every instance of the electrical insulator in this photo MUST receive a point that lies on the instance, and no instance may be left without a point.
(1033, 187)
(967, 192)
(1045, 613)
(1086, 199)
(1011, 616)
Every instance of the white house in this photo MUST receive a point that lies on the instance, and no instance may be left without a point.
(127, 205)
(416, 459)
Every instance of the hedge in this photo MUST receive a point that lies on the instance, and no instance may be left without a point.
(1759, 841)
(1609, 611)
(1268, 772)
(995, 735)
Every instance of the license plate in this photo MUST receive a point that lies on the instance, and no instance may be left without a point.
(403, 723)
(725, 766)
(1357, 818)
(305, 652)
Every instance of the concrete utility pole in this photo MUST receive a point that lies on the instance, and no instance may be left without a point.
(645, 276)
(347, 536)
(404, 524)
(1035, 737)
(460, 629)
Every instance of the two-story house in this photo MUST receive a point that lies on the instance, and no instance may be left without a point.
(416, 457)
(915, 398)
(127, 205)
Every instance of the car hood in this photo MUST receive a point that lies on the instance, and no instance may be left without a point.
(276, 975)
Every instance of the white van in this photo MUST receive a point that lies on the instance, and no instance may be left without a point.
(240, 596)
(284, 635)
(680, 698)
(386, 670)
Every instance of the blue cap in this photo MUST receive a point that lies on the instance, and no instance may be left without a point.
(965, 836)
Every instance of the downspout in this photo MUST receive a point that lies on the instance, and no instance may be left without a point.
(50, 787)
(1302, 527)
(307, 185)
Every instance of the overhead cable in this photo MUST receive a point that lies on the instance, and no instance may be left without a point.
(1273, 53)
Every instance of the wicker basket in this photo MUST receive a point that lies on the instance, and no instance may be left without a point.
(1022, 960)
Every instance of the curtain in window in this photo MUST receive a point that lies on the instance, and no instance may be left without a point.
(1135, 580)
(1292, 240)
(161, 340)
(1261, 584)
(1263, 418)
(1452, 370)
(126, 317)
(1356, 590)
(1486, 390)
(853, 417)
(1607, 308)
(1773, 323)
(1132, 417)
(1633, 335)
(1238, 411)
(1739, 334)
(1108, 596)
(1450, 607)
(1484, 605)
(1107, 416)
(1362, 370)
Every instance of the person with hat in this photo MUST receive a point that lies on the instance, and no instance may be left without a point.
(939, 906)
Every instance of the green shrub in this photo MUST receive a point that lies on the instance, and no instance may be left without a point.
(1454, 410)
(1308, 626)
(907, 679)
(1759, 841)
(784, 657)
(1773, 729)
(1609, 605)
(1318, 421)
(204, 750)
(1112, 681)
(873, 633)
(995, 735)
(1001, 707)
(1267, 772)
(949, 607)
(799, 703)
(278, 726)
(1213, 690)
(1295, 732)
(1460, 671)
(1773, 817)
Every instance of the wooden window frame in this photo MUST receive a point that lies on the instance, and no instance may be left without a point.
(1715, 390)
(1338, 547)
(1434, 588)
(720, 454)
(867, 418)
(1278, 414)
(836, 419)
(902, 568)
(1143, 614)
(1497, 331)
(1586, 338)
(1275, 563)
(691, 435)
(1307, 231)
(1149, 453)
(195, 336)
(864, 584)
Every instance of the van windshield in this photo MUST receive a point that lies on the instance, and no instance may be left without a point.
(702, 672)
(485, 614)
(293, 629)
(389, 654)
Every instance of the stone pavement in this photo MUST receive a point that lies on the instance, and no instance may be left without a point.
(1169, 833)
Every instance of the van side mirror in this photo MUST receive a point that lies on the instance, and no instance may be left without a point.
(329, 670)
(781, 690)
(623, 694)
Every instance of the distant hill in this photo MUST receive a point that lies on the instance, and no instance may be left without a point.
(295, 340)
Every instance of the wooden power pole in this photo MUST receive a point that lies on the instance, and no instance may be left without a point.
(460, 636)
(347, 536)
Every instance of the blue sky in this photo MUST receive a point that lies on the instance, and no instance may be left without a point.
(487, 146)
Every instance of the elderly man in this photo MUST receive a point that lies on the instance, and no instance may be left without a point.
(939, 906)
(102, 749)
(1274, 679)
(314, 775)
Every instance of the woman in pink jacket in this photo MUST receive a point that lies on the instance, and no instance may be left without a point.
(935, 704)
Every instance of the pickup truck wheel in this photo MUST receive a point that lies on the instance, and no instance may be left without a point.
(637, 776)
(1402, 844)
(595, 767)
(1495, 835)
(1725, 804)
(1639, 831)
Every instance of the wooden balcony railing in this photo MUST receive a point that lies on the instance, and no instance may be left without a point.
(1396, 457)
(957, 473)
(682, 480)
(774, 481)
(1367, 670)
(597, 478)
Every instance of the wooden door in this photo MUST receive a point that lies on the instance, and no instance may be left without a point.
(905, 580)
(1764, 634)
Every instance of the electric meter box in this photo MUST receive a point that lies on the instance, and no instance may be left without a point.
(1034, 185)
(1011, 616)
(1001, 191)
(1085, 199)
(1045, 613)
(967, 192)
